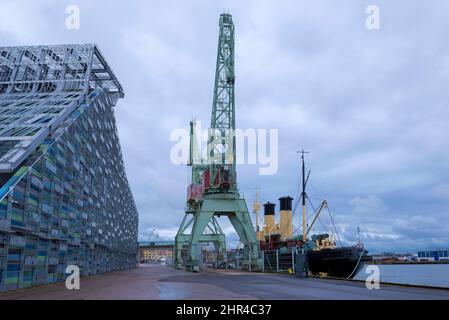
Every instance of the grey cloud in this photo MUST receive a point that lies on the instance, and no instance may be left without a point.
(371, 107)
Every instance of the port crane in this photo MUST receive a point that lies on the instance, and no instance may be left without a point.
(213, 191)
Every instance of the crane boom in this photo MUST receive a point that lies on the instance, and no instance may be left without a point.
(221, 144)
(322, 206)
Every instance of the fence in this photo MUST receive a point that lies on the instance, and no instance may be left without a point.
(235, 259)
(279, 261)
(276, 261)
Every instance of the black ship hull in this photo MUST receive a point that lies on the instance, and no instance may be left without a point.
(339, 262)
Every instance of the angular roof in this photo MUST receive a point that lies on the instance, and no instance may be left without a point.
(40, 86)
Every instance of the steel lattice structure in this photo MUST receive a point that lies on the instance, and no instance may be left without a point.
(213, 192)
(64, 196)
(223, 108)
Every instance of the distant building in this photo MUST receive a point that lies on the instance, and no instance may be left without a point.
(433, 255)
(394, 257)
(156, 251)
(64, 195)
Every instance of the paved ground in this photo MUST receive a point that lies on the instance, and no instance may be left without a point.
(159, 282)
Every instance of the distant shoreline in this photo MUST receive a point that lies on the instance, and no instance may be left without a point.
(408, 262)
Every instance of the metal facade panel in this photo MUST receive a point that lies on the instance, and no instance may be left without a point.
(65, 198)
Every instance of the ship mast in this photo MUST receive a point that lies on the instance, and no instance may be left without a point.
(303, 196)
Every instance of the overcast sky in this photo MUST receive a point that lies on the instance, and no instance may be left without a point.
(369, 105)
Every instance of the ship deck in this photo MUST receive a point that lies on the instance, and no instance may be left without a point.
(166, 283)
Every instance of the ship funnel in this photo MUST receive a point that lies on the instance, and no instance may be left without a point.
(286, 225)
(286, 203)
(269, 212)
(269, 209)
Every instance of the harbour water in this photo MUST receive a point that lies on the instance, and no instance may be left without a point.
(435, 275)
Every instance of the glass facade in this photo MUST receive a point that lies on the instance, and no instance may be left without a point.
(65, 197)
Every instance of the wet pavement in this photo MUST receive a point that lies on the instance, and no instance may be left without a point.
(163, 282)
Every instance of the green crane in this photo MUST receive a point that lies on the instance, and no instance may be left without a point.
(213, 191)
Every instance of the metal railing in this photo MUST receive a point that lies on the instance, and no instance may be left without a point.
(279, 261)
(269, 261)
(276, 261)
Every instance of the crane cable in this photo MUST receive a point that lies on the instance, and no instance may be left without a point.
(335, 228)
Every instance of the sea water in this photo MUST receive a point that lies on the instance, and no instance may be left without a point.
(435, 275)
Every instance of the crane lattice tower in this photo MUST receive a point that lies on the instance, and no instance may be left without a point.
(213, 191)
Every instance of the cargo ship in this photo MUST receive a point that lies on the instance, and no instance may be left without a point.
(323, 255)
